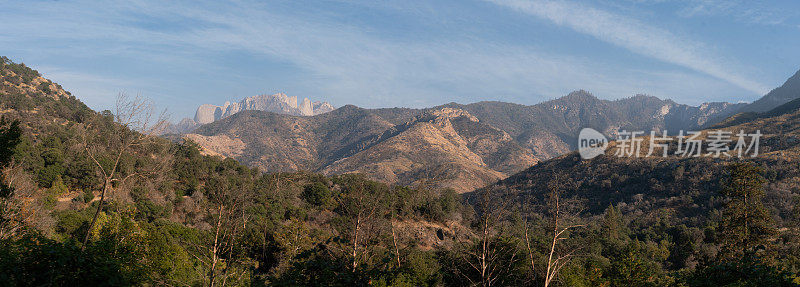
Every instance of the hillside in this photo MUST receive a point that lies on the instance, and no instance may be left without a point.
(26, 94)
(172, 216)
(86, 201)
(671, 211)
(672, 183)
(443, 148)
(790, 90)
(452, 146)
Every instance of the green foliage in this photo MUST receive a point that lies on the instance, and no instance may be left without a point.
(629, 267)
(746, 224)
(317, 194)
(741, 272)
(644, 223)
(35, 260)
(87, 196)
(187, 167)
(10, 137)
(169, 258)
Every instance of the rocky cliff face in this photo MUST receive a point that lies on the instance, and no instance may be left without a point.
(277, 103)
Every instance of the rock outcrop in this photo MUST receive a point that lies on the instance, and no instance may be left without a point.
(278, 103)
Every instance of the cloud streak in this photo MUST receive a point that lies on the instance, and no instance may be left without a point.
(754, 12)
(635, 36)
(337, 61)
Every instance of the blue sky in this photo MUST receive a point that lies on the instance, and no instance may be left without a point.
(405, 53)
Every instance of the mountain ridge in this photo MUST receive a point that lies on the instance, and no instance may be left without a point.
(787, 92)
(632, 183)
(450, 146)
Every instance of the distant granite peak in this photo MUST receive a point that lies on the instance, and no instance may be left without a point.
(277, 103)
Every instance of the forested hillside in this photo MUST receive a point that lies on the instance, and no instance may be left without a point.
(94, 198)
(87, 200)
(675, 216)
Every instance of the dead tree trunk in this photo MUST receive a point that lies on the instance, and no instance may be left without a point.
(132, 125)
(556, 263)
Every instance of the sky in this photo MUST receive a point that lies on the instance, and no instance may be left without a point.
(407, 53)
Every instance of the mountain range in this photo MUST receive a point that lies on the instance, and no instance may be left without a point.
(666, 214)
(276, 103)
(456, 146)
(674, 184)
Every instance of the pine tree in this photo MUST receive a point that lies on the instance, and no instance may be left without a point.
(746, 225)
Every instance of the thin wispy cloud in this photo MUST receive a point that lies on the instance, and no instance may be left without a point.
(184, 52)
(636, 36)
(351, 62)
(755, 12)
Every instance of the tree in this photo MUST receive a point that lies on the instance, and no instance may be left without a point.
(227, 192)
(317, 194)
(10, 137)
(560, 213)
(629, 267)
(362, 222)
(13, 211)
(489, 257)
(745, 225)
(131, 125)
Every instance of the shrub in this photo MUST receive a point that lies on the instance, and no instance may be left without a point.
(317, 194)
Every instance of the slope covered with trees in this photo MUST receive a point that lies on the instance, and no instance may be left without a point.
(94, 199)
(698, 221)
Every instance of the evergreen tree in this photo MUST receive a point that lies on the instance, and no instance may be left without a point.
(746, 225)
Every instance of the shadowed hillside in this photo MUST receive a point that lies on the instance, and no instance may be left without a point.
(452, 146)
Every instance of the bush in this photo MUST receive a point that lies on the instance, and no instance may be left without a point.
(88, 196)
(317, 194)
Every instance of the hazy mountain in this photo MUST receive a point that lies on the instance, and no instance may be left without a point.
(277, 103)
(453, 145)
(457, 146)
(787, 92)
(551, 128)
(683, 187)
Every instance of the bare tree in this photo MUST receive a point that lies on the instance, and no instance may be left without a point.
(527, 238)
(134, 122)
(394, 237)
(227, 201)
(363, 210)
(361, 207)
(488, 259)
(557, 260)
